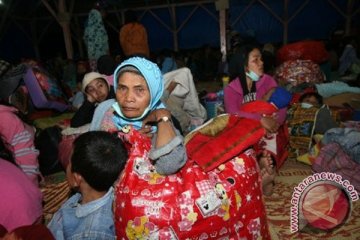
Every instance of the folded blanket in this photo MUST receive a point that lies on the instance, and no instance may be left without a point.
(335, 88)
(347, 138)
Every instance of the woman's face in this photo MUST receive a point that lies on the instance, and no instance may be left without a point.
(98, 89)
(132, 94)
(255, 62)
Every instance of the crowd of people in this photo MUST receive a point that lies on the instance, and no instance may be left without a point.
(134, 115)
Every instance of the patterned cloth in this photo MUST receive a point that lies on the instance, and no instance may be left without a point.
(301, 123)
(333, 158)
(224, 203)
(96, 38)
(296, 72)
(348, 138)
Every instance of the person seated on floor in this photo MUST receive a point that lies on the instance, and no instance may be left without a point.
(88, 113)
(96, 89)
(139, 89)
(166, 61)
(271, 147)
(157, 161)
(324, 120)
(349, 62)
(20, 137)
(306, 119)
(280, 98)
(78, 97)
(21, 199)
(97, 160)
(249, 85)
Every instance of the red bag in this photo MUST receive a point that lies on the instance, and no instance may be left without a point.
(303, 50)
(224, 203)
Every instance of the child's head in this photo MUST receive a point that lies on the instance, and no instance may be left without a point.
(311, 99)
(98, 158)
(96, 85)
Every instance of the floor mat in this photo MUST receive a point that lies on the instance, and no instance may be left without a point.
(278, 208)
(55, 192)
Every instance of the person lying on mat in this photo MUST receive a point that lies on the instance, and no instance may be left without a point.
(96, 90)
(324, 121)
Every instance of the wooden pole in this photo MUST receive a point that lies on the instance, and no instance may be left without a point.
(221, 6)
(64, 20)
(174, 30)
(349, 9)
(286, 22)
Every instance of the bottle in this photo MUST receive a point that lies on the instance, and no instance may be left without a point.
(225, 80)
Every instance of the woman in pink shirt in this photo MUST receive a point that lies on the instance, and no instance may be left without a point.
(21, 200)
(253, 84)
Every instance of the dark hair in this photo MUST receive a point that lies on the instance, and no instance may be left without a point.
(98, 157)
(106, 65)
(5, 151)
(47, 142)
(238, 63)
(312, 94)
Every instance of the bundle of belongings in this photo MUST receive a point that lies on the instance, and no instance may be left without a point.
(340, 153)
(298, 74)
(314, 51)
(217, 194)
(30, 87)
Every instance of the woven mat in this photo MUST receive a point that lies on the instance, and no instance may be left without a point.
(278, 208)
(55, 192)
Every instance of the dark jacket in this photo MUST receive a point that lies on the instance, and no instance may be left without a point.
(85, 113)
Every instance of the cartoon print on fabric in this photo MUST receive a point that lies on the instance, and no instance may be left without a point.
(190, 204)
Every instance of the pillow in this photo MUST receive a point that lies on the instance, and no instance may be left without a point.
(45, 92)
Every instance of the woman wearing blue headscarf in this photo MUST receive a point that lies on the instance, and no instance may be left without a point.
(138, 110)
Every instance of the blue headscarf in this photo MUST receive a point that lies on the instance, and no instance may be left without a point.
(155, 81)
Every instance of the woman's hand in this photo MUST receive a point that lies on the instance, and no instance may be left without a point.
(165, 129)
(146, 130)
(270, 124)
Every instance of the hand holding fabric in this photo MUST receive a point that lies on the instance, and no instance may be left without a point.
(269, 123)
